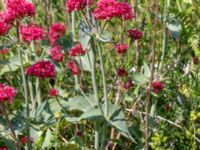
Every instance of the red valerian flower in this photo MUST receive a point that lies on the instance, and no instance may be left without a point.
(57, 53)
(57, 31)
(107, 9)
(4, 28)
(54, 93)
(5, 24)
(7, 93)
(32, 32)
(20, 8)
(4, 148)
(121, 48)
(122, 72)
(74, 68)
(42, 69)
(4, 51)
(7, 17)
(135, 34)
(158, 87)
(24, 140)
(76, 5)
(77, 50)
(128, 85)
(196, 60)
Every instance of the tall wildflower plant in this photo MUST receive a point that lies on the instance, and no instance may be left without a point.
(92, 75)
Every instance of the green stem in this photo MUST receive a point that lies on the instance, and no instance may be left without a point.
(4, 112)
(164, 39)
(31, 89)
(95, 89)
(148, 90)
(104, 80)
(38, 91)
(73, 26)
(105, 94)
(74, 40)
(25, 90)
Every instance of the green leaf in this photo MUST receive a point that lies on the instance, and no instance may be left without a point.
(4, 62)
(147, 70)
(105, 37)
(47, 139)
(35, 134)
(81, 103)
(15, 60)
(117, 119)
(85, 61)
(9, 143)
(9, 68)
(84, 38)
(93, 114)
(140, 78)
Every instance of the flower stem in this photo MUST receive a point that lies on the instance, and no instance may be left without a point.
(4, 111)
(95, 89)
(104, 80)
(25, 89)
(148, 91)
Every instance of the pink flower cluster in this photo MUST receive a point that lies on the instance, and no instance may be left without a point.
(32, 32)
(15, 10)
(20, 8)
(128, 85)
(107, 9)
(74, 68)
(122, 72)
(77, 50)
(4, 148)
(7, 93)
(135, 34)
(57, 53)
(5, 23)
(4, 51)
(42, 69)
(76, 5)
(158, 87)
(121, 48)
(57, 31)
(54, 93)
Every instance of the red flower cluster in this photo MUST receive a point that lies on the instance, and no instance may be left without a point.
(77, 50)
(195, 60)
(158, 87)
(74, 68)
(4, 51)
(122, 72)
(135, 34)
(57, 54)
(20, 8)
(24, 140)
(76, 5)
(121, 48)
(42, 69)
(107, 9)
(7, 93)
(32, 32)
(128, 85)
(53, 93)
(4, 148)
(5, 24)
(15, 10)
(57, 31)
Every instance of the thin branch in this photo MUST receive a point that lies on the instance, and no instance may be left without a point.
(156, 5)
